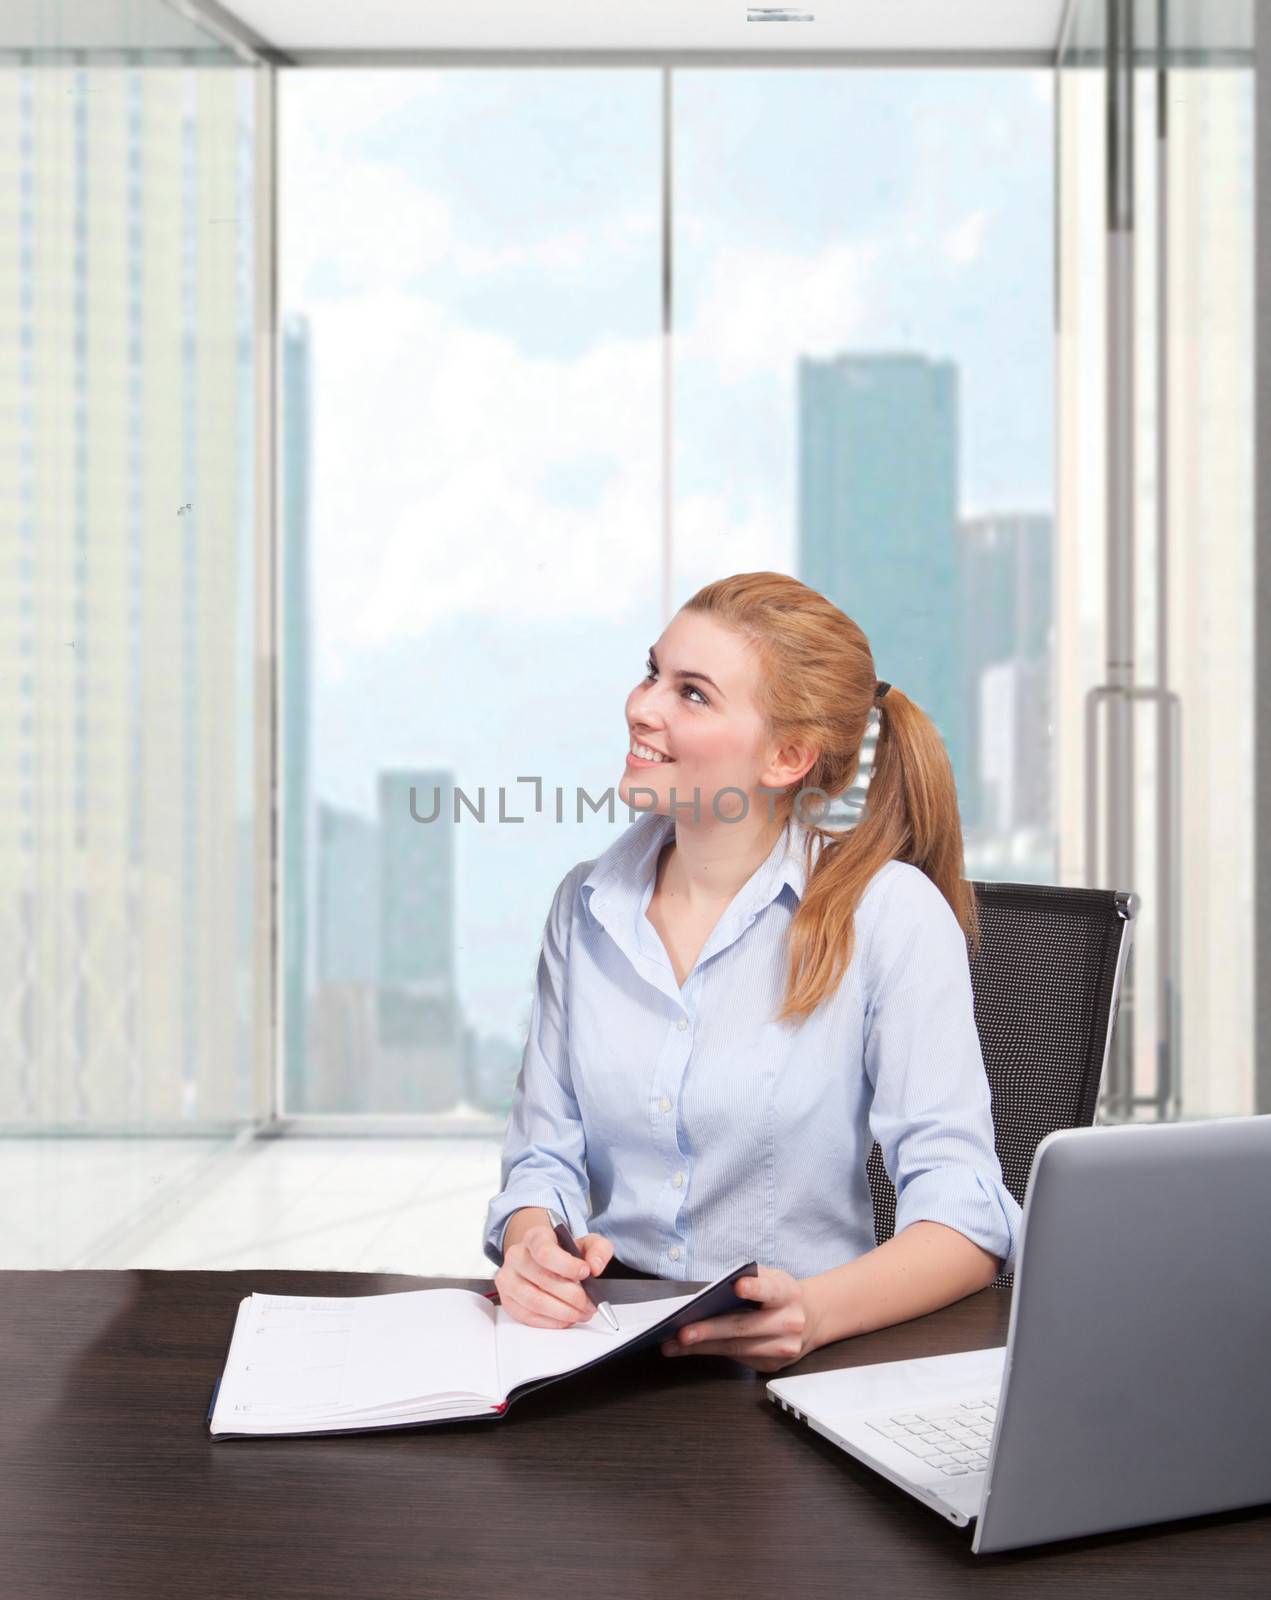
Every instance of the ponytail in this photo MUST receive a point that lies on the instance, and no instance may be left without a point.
(911, 815)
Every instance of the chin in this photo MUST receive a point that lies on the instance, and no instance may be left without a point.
(642, 807)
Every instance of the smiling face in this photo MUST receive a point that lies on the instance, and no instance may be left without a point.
(696, 718)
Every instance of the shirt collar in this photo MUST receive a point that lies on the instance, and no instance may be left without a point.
(626, 870)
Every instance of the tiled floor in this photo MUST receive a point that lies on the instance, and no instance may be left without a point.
(338, 1204)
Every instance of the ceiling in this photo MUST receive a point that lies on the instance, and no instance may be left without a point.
(865, 32)
(298, 27)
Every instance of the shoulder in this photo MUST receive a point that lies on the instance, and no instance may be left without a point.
(900, 886)
(903, 918)
(899, 889)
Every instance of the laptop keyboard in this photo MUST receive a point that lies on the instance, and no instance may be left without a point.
(953, 1438)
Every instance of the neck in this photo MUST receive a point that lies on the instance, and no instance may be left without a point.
(704, 866)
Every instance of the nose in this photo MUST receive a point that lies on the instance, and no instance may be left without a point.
(641, 713)
(643, 728)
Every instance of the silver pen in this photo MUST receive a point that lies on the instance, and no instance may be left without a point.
(590, 1287)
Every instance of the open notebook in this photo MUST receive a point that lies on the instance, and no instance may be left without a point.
(357, 1363)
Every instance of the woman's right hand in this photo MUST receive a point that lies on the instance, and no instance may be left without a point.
(541, 1284)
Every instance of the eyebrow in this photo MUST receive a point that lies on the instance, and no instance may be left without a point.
(683, 674)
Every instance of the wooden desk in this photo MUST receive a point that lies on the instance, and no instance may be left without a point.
(647, 1477)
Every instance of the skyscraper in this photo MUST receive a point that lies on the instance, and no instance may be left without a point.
(348, 897)
(878, 518)
(342, 1007)
(420, 1029)
(1006, 596)
(126, 426)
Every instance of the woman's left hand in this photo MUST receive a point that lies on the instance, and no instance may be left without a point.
(778, 1332)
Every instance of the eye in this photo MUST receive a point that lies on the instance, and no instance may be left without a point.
(689, 688)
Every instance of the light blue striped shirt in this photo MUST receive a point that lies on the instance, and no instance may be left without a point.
(694, 1131)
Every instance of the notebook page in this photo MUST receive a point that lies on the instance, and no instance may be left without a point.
(425, 1343)
(526, 1353)
(314, 1357)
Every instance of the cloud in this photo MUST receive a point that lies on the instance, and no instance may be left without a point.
(350, 224)
(442, 450)
(571, 251)
(430, 440)
(761, 309)
(714, 536)
(336, 110)
(964, 243)
(431, 443)
(373, 226)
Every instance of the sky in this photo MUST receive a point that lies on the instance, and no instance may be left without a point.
(477, 253)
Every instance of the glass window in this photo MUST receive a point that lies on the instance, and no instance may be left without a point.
(97, 471)
(863, 375)
(472, 549)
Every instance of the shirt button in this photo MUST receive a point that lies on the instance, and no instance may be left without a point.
(682, 1024)
(665, 1103)
(674, 1252)
(678, 1180)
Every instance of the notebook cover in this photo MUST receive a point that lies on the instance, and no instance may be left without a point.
(711, 1302)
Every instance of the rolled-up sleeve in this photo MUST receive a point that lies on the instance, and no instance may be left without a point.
(544, 1152)
(931, 1111)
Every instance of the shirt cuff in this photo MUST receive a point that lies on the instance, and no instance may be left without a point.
(575, 1211)
(980, 1209)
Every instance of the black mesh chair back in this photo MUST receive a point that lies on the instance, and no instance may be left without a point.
(1046, 980)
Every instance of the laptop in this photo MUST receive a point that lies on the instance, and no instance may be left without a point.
(1135, 1383)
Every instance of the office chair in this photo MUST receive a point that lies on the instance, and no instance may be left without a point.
(1046, 981)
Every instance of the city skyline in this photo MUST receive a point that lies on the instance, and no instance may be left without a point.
(470, 480)
(487, 525)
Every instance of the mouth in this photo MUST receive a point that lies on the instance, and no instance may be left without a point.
(644, 755)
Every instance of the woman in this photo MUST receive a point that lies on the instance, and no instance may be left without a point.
(733, 1002)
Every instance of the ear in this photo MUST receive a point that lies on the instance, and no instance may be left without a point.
(791, 762)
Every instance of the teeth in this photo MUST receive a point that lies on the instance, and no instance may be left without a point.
(645, 754)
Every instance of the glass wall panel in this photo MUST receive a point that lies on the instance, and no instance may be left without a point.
(863, 390)
(126, 577)
(1205, 270)
(1173, 285)
(472, 543)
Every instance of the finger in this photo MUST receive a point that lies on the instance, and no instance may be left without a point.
(535, 1288)
(777, 1348)
(737, 1325)
(547, 1252)
(540, 1306)
(597, 1249)
(525, 1313)
(513, 1292)
(567, 1294)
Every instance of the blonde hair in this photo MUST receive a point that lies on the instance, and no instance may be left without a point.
(817, 683)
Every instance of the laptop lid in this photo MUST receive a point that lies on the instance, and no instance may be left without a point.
(1137, 1384)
